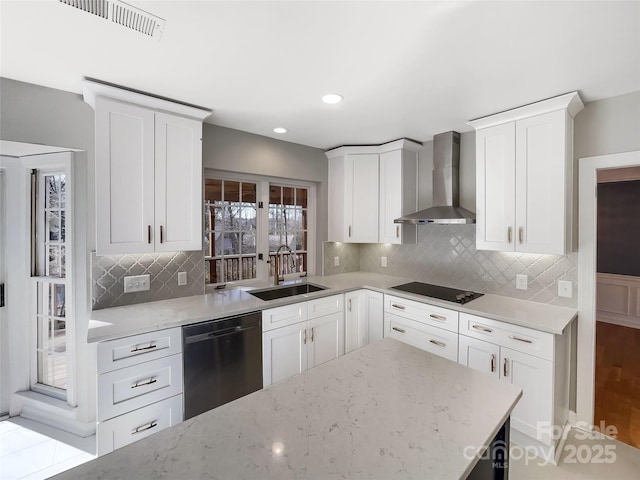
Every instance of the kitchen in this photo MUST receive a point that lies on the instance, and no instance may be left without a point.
(39, 114)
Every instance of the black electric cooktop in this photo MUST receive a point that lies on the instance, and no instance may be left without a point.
(439, 292)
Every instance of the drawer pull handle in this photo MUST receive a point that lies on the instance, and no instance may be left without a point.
(398, 329)
(493, 362)
(141, 349)
(399, 307)
(483, 329)
(152, 380)
(144, 428)
(439, 344)
(513, 337)
(440, 318)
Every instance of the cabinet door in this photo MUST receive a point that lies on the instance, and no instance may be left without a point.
(535, 377)
(495, 188)
(374, 313)
(363, 319)
(284, 352)
(479, 355)
(541, 183)
(398, 195)
(325, 338)
(178, 181)
(124, 178)
(364, 199)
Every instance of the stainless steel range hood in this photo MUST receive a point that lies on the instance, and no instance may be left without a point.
(446, 193)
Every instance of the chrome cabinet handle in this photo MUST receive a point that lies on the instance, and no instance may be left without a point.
(312, 333)
(143, 384)
(440, 318)
(504, 367)
(513, 337)
(436, 342)
(349, 230)
(143, 428)
(521, 234)
(397, 231)
(161, 234)
(304, 338)
(349, 305)
(399, 307)
(481, 328)
(141, 349)
(398, 329)
(149, 234)
(493, 362)
(509, 234)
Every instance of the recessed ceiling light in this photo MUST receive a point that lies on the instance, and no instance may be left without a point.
(332, 98)
(280, 130)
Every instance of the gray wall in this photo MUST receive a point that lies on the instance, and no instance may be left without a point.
(237, 151)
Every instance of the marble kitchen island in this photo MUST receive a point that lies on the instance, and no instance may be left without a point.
(384, 411)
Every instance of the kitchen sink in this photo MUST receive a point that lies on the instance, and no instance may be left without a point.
(287, 291)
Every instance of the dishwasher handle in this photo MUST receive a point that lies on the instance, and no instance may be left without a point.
(203, 337)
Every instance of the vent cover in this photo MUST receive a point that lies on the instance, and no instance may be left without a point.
(123, 14)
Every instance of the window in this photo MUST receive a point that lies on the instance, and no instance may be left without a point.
(49, 244)
(288, 226)
(230, 230)
(247, 219)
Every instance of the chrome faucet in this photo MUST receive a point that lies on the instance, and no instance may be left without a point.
(278, 277)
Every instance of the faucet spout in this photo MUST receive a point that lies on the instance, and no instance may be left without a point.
(278, 275)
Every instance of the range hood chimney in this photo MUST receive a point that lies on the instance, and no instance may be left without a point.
(446, 192)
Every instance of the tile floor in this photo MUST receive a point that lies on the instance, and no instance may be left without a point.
(29, 450)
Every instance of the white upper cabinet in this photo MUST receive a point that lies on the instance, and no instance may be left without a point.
(148, 172)
(369, 187)
(398, 191)
(524, 175)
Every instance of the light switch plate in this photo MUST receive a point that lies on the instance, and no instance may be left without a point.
(565, 288)
(521, 282)
(336, 261)
(137, 283)
(182, 278)
(383, 261)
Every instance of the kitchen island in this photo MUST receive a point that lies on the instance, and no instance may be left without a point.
(387, 410)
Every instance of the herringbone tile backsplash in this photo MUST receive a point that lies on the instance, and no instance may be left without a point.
(447, 255)
(108, 274)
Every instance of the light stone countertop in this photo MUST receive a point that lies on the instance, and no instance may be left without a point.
(385, 411)
(116, 322)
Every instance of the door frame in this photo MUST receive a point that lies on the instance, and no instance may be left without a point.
(587, 216)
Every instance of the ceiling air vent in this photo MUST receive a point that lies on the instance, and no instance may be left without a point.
(123, 14)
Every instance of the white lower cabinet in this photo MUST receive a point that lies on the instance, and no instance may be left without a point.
(363, 319)
(139, 387)
(539, 366)
(317, 338)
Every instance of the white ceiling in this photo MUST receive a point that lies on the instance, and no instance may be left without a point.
(406, 69)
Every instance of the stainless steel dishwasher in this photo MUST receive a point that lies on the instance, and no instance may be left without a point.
(222, 361)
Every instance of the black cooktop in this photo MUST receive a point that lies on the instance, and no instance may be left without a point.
(437, 291)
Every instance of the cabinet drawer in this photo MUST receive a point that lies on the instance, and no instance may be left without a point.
(130, 388)
(421, 312)
(517, 338)
(128, 351)
(133, 426)
(325, 306)
(283, 316)
(434, 340)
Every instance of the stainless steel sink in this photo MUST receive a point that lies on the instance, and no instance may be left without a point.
(286, 291)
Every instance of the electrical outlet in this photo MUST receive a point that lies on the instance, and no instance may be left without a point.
(137, 283)
(336, 261)
(383, 261)
(521, 282)
(565, 288)
(182, 278)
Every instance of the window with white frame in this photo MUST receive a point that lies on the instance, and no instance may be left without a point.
(50, 249)
(247, 220)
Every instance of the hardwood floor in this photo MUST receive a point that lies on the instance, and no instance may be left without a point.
(617, 382)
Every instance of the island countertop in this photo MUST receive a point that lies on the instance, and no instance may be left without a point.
(384, 411)
(117, 322)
